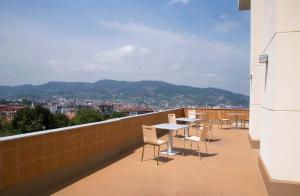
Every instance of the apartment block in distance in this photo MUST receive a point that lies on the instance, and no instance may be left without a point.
(275, 91)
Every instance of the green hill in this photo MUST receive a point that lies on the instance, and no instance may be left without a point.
(155, 92)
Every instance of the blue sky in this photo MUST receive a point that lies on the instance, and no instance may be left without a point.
(191, 42)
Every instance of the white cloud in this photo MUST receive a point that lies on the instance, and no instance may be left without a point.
(172, 2)
(227, 26)
(133, 51)
(118, 50)
(168, 55)
(157, 54)
(210, 75)
(121, 53)
(224, 16)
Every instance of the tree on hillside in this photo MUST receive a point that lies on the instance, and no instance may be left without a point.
(45, 116)
(26, 121)
(1, 122)
(26, 102)
(6, 128)
(87, 116)
(37, 119)
(116, 114)
(61, 120)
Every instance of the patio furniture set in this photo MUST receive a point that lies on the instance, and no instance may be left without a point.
(237, 116)
(150, 136)
(199, 120)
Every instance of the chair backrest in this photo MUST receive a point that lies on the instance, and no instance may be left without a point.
(172, 118)
(210, 124)
(219, 115)
(203, 116)
(204, 133)
(191, 113)
(244, 117)
(149, 134)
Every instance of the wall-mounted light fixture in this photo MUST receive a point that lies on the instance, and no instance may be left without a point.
(263, 58)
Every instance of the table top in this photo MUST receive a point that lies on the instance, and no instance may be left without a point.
(236, 114)
(197, 113)
(168, 126)
(188, 119)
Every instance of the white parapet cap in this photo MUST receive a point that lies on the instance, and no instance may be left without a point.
(19, 136)
(244, 4)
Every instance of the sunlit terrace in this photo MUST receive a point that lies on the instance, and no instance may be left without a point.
(230, 168)
(105, 159)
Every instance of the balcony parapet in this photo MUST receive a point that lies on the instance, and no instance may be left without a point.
(47, 155)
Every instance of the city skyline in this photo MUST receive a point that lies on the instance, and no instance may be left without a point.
(195, 43)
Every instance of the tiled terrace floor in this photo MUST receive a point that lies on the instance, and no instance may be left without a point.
(230, 168)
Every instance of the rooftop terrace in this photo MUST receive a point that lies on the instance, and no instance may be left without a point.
(104, 159)
(230, 168)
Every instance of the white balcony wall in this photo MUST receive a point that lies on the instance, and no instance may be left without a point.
(279, 146)
(255, 122)
(256, 69)
(280, 117)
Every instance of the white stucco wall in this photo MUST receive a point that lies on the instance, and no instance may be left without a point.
(256, 69)
(280, 109)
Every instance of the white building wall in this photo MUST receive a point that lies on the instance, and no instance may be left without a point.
(280, 117)
(256, 69)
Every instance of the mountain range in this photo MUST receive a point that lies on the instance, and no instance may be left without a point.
(154, 92)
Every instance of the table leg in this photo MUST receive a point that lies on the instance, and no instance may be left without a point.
(186, 132)
(170, 142)
(170, 150)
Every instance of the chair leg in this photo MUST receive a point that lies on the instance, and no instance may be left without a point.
(206, 146)
(153, 151)
(158, 155)
(143, 153)
(221, 124)
(183, 146)
(167, 151)
(199, 154)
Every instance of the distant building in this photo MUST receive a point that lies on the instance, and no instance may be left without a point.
(135, 110)
(106, 108)
(8, 111)
(71, 114)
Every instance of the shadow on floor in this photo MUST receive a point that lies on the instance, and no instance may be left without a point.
(179, 136)
(194, 152)
(52, 182)
(161, 159)
(213, 140)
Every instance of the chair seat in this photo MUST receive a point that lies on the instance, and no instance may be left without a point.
(225, 119)
(157, 143)
(160, 142)
(193, 138)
